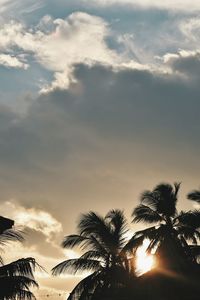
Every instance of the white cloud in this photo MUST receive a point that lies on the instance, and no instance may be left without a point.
(32, 218)
(79, 38)
(191, 29)
(12, 61)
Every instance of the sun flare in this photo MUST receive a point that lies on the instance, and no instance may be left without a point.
(144, 262)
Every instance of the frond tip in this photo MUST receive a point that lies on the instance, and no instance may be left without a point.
(73, 266)
(194, 195)
(143, 213)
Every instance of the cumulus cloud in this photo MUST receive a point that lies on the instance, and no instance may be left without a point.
(39, 222)
(31, 218)
(94, 136)
(59, 44)
(186, 63)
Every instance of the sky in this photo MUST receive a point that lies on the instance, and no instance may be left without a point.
(99, 100)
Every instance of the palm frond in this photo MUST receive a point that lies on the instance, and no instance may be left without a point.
(17, 287)
(1, 260)
(74, 266)
(150, 199)
(190, 218)
(139, 237)
(153, 234)
(195, 250)
(148, 233)
(19, 294)
(84, 242)
(85, 287)
(21, 267)
(11, 235)
(119, 226)
(194, 195)
(133, 244)
(177, 186)
(189, 233)
(92, 255)
(74, 240)
(167, 198)
(92, 224)
(19, 281)
(95, 244)
(143, 213)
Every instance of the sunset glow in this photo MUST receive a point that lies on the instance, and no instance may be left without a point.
(144, 262)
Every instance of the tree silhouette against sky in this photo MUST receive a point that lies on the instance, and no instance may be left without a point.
(102, 240)
(172, 230)
(16, 278)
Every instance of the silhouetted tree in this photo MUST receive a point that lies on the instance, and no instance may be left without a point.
(102, 240)
(17, 277)
(195, 196)
(172, 230)
(177, 274)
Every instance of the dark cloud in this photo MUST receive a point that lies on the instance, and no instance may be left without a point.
(188, 64)
(99, 143)
(38, 240)
(96, 146)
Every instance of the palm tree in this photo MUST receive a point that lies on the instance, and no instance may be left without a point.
(171, 232)
(102, 240)
(17, 277)
(195, 196)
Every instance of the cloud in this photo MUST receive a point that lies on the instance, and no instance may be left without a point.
(31, 218)
(48, 285)
(26, 7)
(39, 223)
(181, 5)
(186, 63)
(59, 44)
(12, 61)
(94, 136)
(20, 7)
(191, 29)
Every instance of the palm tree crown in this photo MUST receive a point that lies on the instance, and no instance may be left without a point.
(17, 277)
(102, 240)
(172, 230)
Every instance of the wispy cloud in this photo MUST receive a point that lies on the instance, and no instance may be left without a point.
(181, 5)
